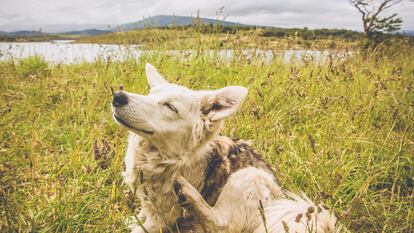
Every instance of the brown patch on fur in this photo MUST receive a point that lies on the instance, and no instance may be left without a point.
(226, 157)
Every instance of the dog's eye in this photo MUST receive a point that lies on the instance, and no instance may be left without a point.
(172, 108)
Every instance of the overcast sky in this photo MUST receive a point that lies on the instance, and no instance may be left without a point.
(32, 14)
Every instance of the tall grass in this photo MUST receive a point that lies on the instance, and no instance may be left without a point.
(185, 38)
(342, 131)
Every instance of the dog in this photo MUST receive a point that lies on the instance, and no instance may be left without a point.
(188, 178)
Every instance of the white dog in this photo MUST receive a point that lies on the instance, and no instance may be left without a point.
(188, 178)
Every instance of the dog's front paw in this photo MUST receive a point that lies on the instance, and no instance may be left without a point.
(179, 193)
(186, 194)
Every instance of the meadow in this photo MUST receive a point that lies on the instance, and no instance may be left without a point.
(340, 130)
(201, 36)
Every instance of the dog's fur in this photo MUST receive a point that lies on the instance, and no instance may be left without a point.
(186, 175)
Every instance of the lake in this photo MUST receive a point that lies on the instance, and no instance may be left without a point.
(66, 52)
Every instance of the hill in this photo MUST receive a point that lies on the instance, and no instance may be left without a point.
(150, 22)
(168, 20)
(23, 33)
(36, 34)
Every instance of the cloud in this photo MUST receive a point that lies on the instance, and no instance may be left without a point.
(30, 14)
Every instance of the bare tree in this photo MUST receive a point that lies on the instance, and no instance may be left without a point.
(372, 21)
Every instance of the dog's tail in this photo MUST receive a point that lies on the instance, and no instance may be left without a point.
(296, 213)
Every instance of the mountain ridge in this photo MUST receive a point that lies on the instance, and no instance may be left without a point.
(170, 20)
(148, 22)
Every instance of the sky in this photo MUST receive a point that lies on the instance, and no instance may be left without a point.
(61, 15)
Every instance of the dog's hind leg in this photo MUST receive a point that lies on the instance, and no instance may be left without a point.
(190, 199)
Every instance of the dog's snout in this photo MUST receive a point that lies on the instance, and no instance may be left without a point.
(120, 99)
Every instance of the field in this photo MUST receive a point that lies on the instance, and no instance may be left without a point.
(219, 37)
(214, 37)
(341, 130)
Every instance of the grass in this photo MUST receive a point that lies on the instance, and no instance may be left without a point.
(342, 131)
(184, 38)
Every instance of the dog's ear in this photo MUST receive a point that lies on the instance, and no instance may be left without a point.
(153, 77)
(222, 103)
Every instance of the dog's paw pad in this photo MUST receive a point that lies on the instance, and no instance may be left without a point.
(177, 187)
(178, 190)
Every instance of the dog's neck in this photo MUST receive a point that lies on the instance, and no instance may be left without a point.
(153, 161)
(181, 156)
(156, 168)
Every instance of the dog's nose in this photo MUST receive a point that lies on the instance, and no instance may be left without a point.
(120, 99)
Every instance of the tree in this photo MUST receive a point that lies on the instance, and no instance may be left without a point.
(372, 21)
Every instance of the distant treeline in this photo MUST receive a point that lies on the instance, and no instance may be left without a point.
(33, 38)
(304, 33)
(310, 34)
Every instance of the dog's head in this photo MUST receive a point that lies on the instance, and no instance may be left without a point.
(175, 118)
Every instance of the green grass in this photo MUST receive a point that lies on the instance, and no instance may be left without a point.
(185, 38)
(32, 67)
(341, 131)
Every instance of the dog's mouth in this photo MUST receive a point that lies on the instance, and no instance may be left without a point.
(124, 123)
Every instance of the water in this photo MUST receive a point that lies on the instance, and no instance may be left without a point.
(66, 52)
